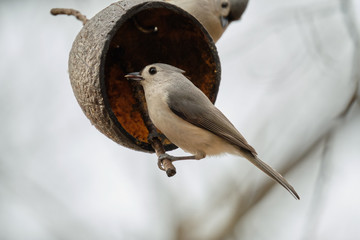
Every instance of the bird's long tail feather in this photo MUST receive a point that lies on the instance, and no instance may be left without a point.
(271, 173)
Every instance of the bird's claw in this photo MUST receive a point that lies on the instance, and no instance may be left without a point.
(163, 157)
(160, 165)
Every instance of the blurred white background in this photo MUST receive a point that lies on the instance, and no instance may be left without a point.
(289, 69)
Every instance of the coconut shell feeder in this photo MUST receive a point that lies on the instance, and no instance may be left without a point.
(125, 37)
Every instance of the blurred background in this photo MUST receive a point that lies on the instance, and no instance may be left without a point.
(290, 71)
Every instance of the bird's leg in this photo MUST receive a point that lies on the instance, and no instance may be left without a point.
(172, 158)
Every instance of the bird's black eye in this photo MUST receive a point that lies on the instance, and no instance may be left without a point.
(224, 4)
(152, 70)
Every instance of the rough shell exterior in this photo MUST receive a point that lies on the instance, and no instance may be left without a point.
(87, 66)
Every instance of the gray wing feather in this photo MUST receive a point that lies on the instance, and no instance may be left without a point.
(195, 108)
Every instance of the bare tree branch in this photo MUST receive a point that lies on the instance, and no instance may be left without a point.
(318, 198)
(165, 164)
(350, 22)
(316, 206)
(69, 12)
(246, 201)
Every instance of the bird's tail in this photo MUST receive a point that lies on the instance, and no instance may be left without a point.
(270, 172)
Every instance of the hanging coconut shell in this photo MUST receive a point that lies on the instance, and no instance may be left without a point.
(123, 38)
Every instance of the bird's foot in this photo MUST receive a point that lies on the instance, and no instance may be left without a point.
(172, 158)
(164, 156)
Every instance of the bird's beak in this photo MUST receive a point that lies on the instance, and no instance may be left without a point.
(224, 21)
(134, 76)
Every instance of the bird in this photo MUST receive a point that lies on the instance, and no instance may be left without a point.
(212, 14)
(237, 9)
(185, 115)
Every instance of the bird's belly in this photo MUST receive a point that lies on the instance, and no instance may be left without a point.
(187, 136)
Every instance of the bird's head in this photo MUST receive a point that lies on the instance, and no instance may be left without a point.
(154, 74)
(223, 7)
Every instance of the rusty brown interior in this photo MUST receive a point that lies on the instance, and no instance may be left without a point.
(178, 41)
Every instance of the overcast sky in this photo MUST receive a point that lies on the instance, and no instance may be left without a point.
(287, 74)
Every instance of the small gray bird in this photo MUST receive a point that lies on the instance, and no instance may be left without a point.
(188, 118)
(237, 9)
(213, 14)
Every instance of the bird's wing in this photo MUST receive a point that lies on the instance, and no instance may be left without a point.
(197, 109)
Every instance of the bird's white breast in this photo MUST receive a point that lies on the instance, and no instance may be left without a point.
(185, 135)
